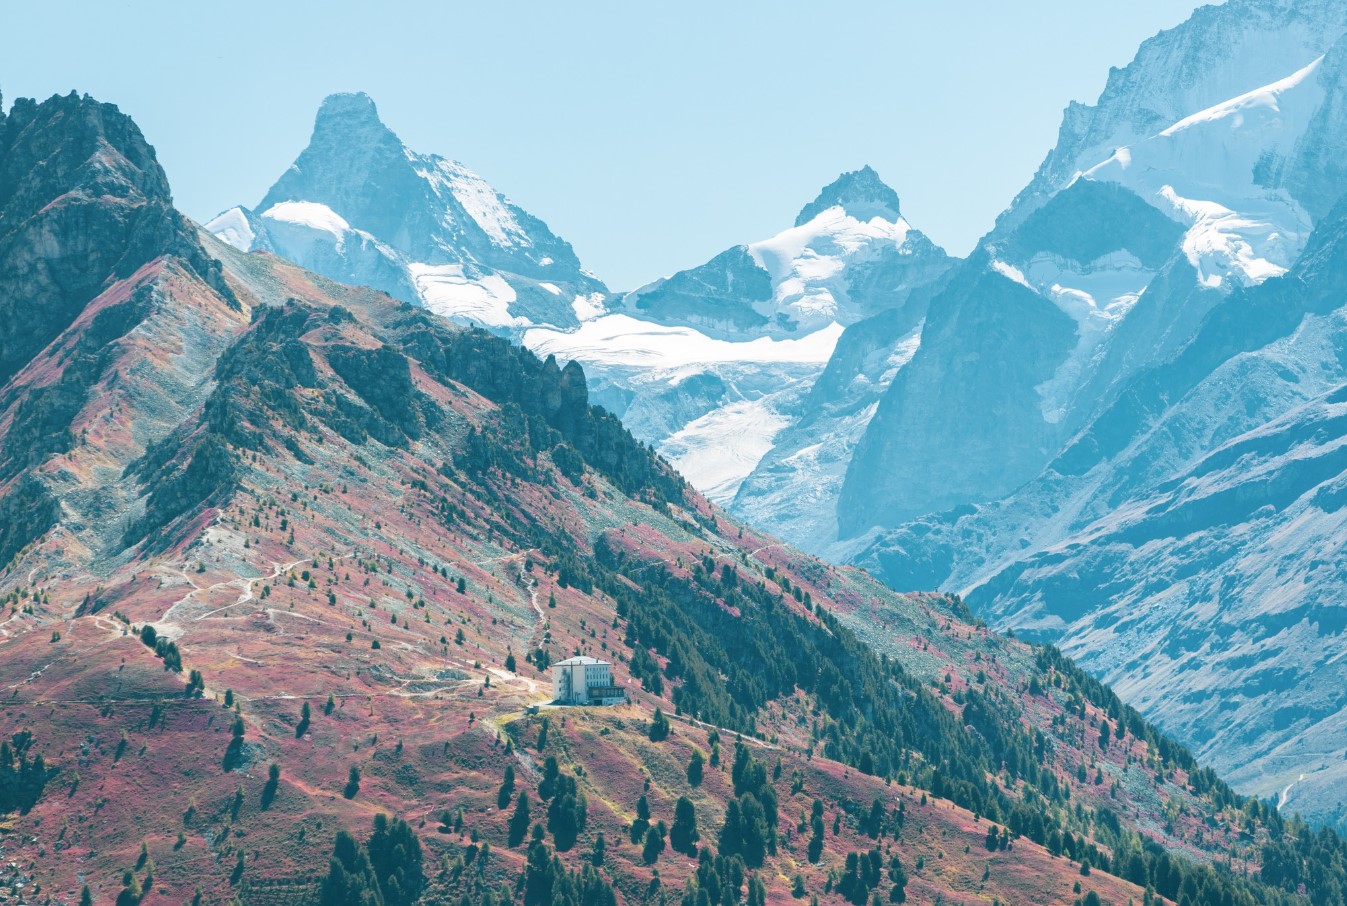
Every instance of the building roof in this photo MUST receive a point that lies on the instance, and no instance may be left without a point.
(580, 659)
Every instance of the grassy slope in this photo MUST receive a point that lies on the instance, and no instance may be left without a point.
(417, 715)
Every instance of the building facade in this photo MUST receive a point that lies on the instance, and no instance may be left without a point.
(585, 681)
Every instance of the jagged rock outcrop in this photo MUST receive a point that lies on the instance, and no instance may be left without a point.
(83, 203)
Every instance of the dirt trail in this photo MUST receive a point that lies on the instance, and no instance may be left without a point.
(168, 626)
(723, 731)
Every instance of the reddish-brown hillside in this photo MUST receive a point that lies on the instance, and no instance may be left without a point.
(252, 518)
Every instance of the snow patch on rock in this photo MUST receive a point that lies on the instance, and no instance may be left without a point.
(449, 292)
(308, 215)
(233, 228)
(719, 450)
(1211, 171)
(808, 263)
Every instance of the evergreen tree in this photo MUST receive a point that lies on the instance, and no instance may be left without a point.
(731, 842)
(519, 821)
(874, 821)
(695, 768)
(235, 748)
(270, 787)
(131, 891)
(757, 891)
(659, 726)
(898, 877)
(816, 826)
(395, 854)
(683, 835)
(566, 813)
(654, 845)
(386, 871)
(751, 818)
(547, 787)
(642, 822)
(23, 774)
(350, 877)
(506, 791)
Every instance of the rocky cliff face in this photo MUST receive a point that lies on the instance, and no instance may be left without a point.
(88, 240)
(83, 203)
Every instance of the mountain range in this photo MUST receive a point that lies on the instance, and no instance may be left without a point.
(1111, 426)
(287, 563)
(298, 508)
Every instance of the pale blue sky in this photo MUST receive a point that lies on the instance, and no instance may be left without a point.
(649, 135)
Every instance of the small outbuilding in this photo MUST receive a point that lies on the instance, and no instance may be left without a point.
(585, 681)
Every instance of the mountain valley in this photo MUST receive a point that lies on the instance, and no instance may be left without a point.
(305, 553)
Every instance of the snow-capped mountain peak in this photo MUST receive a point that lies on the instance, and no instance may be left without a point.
(714, 364)
(849, 254)
(860, 193)
(360, 206)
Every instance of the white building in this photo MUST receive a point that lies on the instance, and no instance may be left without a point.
(585, 681)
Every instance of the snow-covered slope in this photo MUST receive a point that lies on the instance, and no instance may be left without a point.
(360, 207)
(1222, 52)
(1134, 245)
(714, 364)
(1217, 170)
